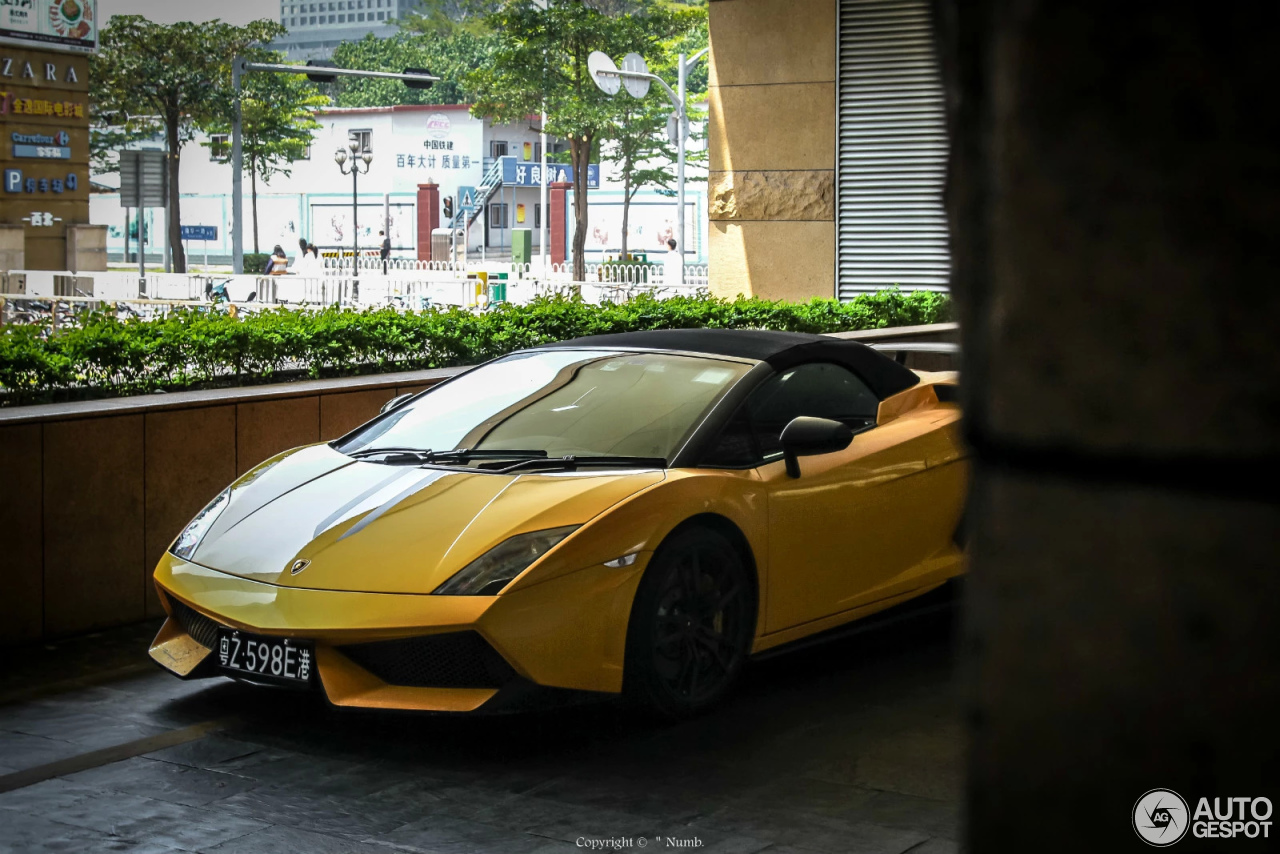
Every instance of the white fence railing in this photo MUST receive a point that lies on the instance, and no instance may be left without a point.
(695, 275)
(54, 296)
(406, 283)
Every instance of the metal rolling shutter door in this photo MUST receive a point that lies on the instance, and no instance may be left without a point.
(891, 163)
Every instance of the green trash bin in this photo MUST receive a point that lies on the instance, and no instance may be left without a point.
(498, 287)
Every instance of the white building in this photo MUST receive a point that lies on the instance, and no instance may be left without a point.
(411, 146)
(315, 29)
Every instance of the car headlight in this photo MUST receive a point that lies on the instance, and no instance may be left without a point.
(493, 570)
(185, 546)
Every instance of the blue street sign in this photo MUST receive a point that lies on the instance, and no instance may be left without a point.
(466, 198)
(199, 232)
(530, 174)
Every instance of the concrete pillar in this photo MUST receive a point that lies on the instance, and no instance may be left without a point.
(559, 222)
(428, 217)
(86, 248)
(1112, 204)
(13, 245)
(771, 101)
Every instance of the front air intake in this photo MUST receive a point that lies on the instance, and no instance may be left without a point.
(203, 630)
(454, 660)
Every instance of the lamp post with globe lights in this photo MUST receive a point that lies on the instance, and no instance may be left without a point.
(356, 157)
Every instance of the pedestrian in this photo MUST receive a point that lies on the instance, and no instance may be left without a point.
(308, 263)
(385, 251)
(278, 263)
(673, 265)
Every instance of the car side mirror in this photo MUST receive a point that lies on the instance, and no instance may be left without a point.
(395, 402)
(807, 437)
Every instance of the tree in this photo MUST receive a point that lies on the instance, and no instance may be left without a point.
(276, 121)
(540, 62)
(447, 17)
(451, 58)
(180, 73)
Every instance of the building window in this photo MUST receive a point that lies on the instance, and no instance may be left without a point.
(382, 16)
(498, 215)
(332, 18)
(497, 148)
(537, 215)
(360, 16)
(342, 19)
(306, 153)
(219, 147)
(364, 137)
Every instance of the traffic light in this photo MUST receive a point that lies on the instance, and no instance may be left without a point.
(448, 208)
(417, 84)
(322, 63)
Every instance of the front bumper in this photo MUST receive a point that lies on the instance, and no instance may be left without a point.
(459, 653)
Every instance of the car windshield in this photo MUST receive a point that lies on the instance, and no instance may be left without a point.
(561, 402)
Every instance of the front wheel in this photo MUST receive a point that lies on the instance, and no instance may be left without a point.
(691, 624)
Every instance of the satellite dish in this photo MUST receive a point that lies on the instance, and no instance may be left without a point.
(637, 87)
(604, 72)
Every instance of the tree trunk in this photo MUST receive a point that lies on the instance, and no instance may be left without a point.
(580, 149)
(253, 200)
(174, 212)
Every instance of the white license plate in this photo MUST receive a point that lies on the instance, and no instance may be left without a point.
(283, 660)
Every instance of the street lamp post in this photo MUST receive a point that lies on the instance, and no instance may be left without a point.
(357, 157)
(634, 75)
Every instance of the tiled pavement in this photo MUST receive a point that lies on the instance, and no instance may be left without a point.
(854, 746)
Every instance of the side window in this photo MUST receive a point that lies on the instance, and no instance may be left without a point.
(735, 448)
(819, 389)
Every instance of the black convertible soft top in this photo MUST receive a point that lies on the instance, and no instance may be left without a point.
(780, 350)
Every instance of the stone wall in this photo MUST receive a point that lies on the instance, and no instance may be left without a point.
(94, 492)
(772, 148)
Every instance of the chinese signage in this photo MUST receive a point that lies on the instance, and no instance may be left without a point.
(16, 182)
(68, 25)
(44, 125)
(199, 232)
(530, 174)
(18, 106)
(434, 160)
(42, 146)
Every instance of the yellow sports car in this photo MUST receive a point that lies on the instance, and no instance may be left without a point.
(634, 513)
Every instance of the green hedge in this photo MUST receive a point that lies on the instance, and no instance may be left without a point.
(104, 356)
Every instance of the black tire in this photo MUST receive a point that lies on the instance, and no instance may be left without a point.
(691, 625)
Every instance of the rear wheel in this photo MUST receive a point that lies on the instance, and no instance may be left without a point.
(691, 624)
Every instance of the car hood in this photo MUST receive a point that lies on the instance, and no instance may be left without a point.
(386, 528)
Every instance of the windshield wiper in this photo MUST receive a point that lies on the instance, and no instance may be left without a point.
(461, 455)
(572, 461)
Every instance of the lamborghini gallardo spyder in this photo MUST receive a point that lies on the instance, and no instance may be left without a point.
(628, 514)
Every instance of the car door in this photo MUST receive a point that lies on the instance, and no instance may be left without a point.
(846, 530)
